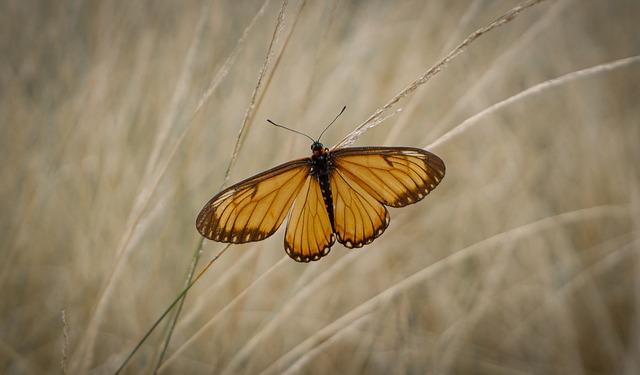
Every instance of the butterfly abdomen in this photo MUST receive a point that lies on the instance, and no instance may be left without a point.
(321, 169)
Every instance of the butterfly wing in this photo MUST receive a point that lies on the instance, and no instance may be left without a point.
(365, 179)
(358, 217)
(309, 235)
(253, 209)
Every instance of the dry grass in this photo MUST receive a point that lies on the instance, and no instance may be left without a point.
(524, 260)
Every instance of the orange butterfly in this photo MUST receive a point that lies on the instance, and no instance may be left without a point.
(339, 193)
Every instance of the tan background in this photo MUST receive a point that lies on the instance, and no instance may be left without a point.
(524, 260)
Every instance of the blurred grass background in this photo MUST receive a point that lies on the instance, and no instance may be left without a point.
(524, 260)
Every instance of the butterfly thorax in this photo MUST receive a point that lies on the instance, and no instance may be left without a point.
(320, 169)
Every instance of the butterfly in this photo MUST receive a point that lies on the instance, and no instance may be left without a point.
(334, 194)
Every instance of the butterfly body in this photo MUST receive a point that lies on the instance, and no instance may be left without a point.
(334, 194)
(321, 166)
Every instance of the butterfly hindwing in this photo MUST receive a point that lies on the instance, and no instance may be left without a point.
(359, 218)
(253, 209)
(309, 235)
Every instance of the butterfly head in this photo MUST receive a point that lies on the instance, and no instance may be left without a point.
(318, 148)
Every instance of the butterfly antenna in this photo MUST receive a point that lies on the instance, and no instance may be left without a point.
(284, 127)
(334, 120)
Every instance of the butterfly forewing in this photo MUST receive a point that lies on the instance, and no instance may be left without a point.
(394, 176)
(253, 209)
(309, 235)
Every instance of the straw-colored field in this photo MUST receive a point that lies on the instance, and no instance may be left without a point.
(119, 121)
